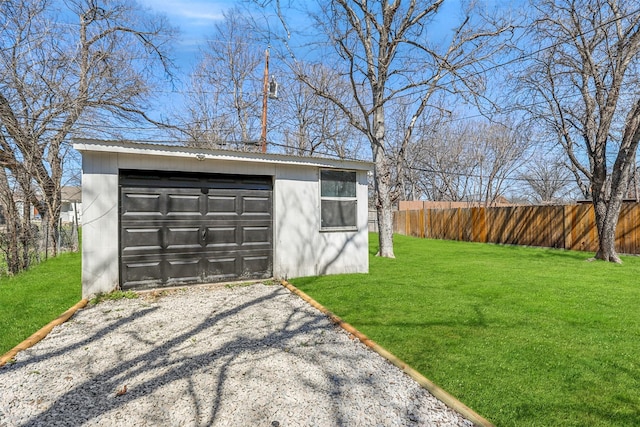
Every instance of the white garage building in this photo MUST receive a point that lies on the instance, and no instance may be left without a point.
(163, 215)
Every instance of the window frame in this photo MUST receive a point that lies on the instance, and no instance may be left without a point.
(351, 199)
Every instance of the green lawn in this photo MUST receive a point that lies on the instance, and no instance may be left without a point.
(30, 300)
(524, 336)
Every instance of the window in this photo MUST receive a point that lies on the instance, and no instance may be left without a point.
(338, 202)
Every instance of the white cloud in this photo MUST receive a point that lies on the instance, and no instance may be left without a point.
(181, 10)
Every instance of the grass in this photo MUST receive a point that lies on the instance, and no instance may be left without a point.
(31, 299)
(113, 296)
(524, 336)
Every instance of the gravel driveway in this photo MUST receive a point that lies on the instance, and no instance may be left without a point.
(243, 356)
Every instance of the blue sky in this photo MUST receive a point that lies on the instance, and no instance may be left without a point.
(195, 20)
(195, 17)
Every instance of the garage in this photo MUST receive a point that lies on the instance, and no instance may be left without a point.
(164, 215)
(185, 228)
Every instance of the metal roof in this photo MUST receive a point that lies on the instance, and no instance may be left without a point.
(148, 149)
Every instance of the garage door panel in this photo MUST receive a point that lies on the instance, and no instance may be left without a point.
(239, 266)
(182, 270)
(253, 235)
(181, 204)
(204, 229)
(221, 236)
(259, 206)
(256, 266)
(180, 238)
(142, 204)
(221, 268)
(138, 272)
(141, 239)
(221, 204)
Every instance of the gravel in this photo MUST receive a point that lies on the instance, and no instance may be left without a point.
(241, 356)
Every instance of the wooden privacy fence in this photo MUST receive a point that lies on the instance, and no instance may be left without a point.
(567, 227)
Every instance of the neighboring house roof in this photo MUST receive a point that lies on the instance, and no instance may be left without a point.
(71, 194)
(67, 194)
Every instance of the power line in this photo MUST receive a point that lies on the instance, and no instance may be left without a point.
(479, 176)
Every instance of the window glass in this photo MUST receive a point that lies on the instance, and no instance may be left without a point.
(337, 213)
(338, 183)
(338, 202)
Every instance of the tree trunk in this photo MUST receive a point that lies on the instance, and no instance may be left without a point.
(608, 211)
(382, 180)
(383, 207)
(50, 231)
(606, 206)
(26, 237)
(12, 220)
(51, 219)
(382, 194)
(607, 221)
(607, 203)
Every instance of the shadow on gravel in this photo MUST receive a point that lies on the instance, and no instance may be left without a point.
(93, 337)
(87, 401)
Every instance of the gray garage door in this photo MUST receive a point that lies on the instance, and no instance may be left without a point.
(178, 228)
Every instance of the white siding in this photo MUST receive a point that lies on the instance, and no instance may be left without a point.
(301, 249)
(186, 164)
(296, 222)
(99, 223)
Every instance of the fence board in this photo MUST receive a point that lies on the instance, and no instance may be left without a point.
(466, 224)
(399, 222)
(413, 221)
(452, 224)
(570, 227)
(436, 224)
(627, 234)
(426, 218)
(582, 228)
(557, 235)
(622, 230)
(479, 225)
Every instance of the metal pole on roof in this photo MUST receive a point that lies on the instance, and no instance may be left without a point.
(265, 95)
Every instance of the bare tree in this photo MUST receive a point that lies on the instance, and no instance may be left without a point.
(17, 241)
(469, 161)
(583, 84)
(55, 70)
(498, 152)
(449, 163)
(417, 163)
(310, 124)
(224, 100)
(384, 50)
(548, 180)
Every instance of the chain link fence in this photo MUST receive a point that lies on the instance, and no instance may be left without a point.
(35, 246)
